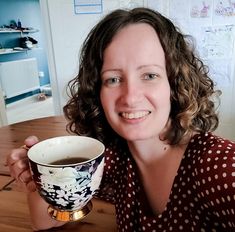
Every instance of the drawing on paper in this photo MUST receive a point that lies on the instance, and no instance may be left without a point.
(217, 42)
(220, 71)
(225, 8)
(200, 10)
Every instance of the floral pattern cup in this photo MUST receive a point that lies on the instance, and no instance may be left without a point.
(67, 188)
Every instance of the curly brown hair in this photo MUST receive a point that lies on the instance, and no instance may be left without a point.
(192, 91)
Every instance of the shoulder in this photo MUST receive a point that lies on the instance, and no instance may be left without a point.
(214, 164)
(208, 150)
(214, 175)
(211, 147)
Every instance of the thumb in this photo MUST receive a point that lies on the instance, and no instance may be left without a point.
(31, 140)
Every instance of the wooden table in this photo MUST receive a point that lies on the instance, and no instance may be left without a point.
(13, 136)
(14, 213)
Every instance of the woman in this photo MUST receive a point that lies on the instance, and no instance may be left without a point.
(143, 92)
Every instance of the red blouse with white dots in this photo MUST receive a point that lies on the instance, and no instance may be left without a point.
(202, 197)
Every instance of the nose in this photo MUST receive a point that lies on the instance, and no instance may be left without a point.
(131, 93)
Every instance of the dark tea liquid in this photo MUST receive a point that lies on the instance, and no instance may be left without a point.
(66, 161)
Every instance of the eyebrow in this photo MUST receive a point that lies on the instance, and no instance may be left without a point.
(111, 70)
(150, 65)
(138, 68)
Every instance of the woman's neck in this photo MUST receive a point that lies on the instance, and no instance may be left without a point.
(148, 150)
(157, 163)
(155, 149)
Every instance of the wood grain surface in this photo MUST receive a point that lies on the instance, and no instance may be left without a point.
(13, 136)
(14, 213)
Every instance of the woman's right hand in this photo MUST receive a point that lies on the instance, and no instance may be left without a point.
(17, 161)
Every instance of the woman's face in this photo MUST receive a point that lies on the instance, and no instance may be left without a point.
(135, 92)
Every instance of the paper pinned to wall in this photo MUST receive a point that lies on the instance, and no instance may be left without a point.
(201, 9)
(131, 3)
(224, 12)
(217, 42)
(220, 71)
(88, 6)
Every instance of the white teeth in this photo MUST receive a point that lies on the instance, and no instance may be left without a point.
(135, 115)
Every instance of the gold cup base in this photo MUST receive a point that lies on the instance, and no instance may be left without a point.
(69, 216)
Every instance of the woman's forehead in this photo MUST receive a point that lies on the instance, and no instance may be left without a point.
(135, 41)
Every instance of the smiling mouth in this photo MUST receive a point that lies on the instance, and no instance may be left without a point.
(134, 115)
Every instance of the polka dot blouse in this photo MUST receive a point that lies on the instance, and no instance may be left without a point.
(202, 197)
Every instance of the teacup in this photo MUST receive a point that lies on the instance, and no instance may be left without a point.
(67, 171)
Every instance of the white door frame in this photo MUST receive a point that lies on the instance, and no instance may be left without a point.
(51, 56)
(3, 115)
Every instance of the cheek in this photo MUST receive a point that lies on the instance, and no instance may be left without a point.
(161, 94)
(167, 93)
(104, 99)
(167, 101)
(106, 103)
(164, 100)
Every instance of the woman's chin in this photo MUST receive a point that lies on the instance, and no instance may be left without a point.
(135, 137)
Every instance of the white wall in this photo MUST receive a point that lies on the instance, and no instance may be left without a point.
(180, 12)
(66, 31)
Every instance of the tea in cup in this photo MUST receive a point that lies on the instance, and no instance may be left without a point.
(67, 171)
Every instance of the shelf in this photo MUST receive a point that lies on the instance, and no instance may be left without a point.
(3, 30)
(12, 51)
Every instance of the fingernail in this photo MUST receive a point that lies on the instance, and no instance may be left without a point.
(25, 147)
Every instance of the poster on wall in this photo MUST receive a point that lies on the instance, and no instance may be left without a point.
(216, 47)
(131, 3)
(212, 25)
(88, 6)
(224, 12)
(217, 42)
(221, 71)
(201, 11)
